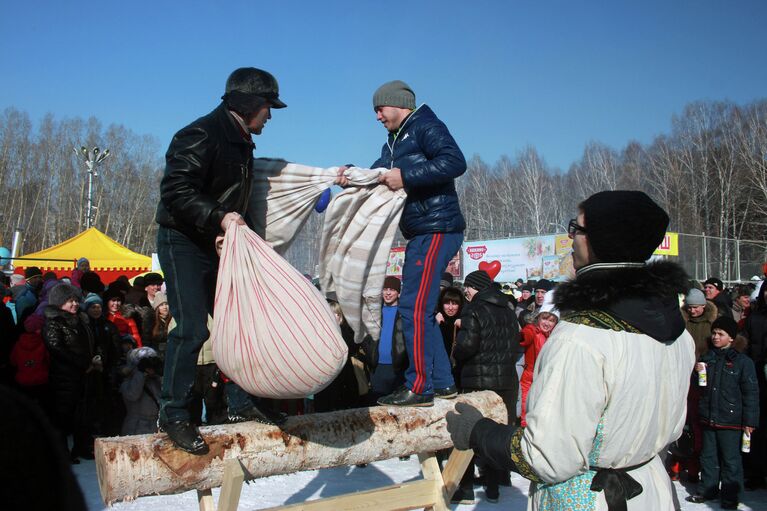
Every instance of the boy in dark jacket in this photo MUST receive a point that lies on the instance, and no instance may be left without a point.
(485, 350)
(729, 406)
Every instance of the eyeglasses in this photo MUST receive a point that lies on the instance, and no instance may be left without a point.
(573, 227)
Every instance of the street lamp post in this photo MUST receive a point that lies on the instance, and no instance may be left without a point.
(92, 160)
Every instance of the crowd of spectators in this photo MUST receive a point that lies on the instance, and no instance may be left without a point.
(92, 357)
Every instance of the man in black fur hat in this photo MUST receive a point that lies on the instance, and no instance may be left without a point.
(611, 383)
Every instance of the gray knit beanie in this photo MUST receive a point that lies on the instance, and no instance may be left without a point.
(694, 298)
(396, 93)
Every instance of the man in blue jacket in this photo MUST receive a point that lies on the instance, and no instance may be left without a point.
(424, 159)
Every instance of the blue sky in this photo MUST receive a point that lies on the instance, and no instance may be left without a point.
(501, 74)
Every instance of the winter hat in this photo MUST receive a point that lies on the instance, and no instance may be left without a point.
(62, 293)
(727, 324)
(392, 282)
(395, 93)
(113, 292)
(136, 354)
(544, 284)
(478, 279)
(446, 280)
(90, 300)
(548, 304)
(717, 283)
(159, 299)
(17, 280)
(623, 225)
(32, 271)
(153, 278)
(90, 282)
(742, 291)
(694, 298)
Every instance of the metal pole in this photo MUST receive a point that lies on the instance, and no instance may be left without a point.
(89, 206)
(705, 257)
(16, 246)
(737, 259)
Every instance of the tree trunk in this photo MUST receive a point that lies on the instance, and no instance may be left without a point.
(133, 466)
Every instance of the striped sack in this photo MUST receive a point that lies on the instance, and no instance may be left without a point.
(273, 331)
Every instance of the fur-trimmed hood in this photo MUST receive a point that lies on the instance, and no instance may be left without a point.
(646, 297)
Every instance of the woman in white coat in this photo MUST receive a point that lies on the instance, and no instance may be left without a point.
(610, 385)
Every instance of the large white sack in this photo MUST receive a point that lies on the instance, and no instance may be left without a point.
(273, 331)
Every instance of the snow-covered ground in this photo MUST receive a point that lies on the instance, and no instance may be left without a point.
(302, 486)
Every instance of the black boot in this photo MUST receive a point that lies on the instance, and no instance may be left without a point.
(405, 397)
(185, 436)
(263, 415)
(446, 393)
(463, 496)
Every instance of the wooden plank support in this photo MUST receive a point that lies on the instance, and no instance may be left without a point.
(455, 467)
(412, 495)
(133, 466)
(232, 485)
(205, 500)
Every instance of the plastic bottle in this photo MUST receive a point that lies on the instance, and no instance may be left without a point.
(702, 377)
(745, 444)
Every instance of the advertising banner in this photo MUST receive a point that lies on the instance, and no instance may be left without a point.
(509, 259)
(395, 262)
(669, 246)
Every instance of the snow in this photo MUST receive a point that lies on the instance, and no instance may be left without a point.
(302, 486)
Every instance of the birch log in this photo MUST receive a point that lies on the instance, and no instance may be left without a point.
(133, 466)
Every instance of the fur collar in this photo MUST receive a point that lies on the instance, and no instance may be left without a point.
(599, 289)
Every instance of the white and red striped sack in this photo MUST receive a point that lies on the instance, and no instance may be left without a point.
(273, 332)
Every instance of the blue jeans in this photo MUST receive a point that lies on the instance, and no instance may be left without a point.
(720, 460)
(190, 278)
(426, 257)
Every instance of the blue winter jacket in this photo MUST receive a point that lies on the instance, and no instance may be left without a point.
(430, 160)
(731, 397)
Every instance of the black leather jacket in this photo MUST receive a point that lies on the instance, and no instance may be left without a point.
(487, 343)
(430, 160)
(207, 174)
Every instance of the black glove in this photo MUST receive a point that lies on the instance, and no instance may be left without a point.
(461, 424)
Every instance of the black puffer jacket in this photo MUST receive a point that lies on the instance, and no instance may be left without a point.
(487, 342)
(71, 348)
(207, 174)
(731, 398)
(430, 160)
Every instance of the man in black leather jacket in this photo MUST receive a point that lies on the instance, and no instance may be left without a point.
(424, 159)
(204, 190)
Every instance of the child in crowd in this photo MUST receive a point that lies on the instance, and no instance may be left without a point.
(729, 410)
(533, 337)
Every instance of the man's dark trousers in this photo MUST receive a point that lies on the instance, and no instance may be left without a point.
(190, 279)
(426, 257)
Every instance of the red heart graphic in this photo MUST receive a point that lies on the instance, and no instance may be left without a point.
(492, 268)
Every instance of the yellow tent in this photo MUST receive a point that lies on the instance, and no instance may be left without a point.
(104, 254)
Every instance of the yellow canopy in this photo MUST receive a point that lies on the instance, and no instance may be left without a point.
(103, 252)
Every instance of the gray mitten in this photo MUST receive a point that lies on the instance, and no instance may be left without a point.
(460, 423)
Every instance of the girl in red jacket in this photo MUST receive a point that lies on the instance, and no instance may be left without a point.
(533, 337)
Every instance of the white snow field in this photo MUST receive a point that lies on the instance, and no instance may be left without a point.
(303, 486)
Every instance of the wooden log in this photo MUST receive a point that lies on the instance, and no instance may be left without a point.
(133, 466)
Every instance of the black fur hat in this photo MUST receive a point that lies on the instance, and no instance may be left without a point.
(62, 293)
(623, 225)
